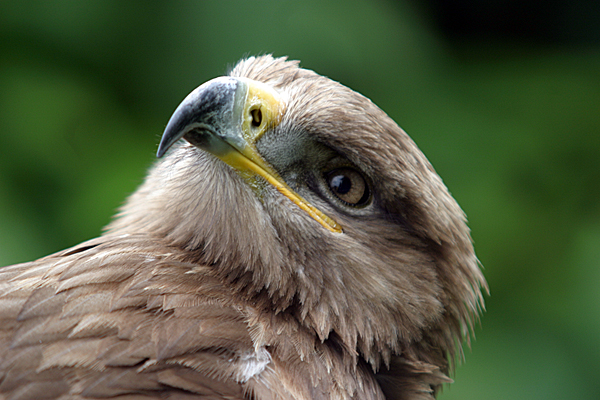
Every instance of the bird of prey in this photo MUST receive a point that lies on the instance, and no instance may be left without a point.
(295, 245)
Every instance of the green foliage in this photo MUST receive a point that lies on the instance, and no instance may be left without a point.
(514, 130)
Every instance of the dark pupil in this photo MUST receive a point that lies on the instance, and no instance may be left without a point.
(341, 184)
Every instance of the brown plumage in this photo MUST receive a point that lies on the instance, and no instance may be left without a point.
(333, 265)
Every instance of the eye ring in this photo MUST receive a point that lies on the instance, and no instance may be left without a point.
(349, 186)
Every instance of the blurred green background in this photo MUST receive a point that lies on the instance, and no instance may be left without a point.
(502, 96)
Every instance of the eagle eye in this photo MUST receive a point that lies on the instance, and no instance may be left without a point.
(348, 185)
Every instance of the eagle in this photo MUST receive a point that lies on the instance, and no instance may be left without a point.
(295, 245)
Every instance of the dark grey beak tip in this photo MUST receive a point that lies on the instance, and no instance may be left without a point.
(176, 127)
(161, 150)
(169, 137)
(207, 103)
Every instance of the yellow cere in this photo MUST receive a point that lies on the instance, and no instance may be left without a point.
(263, 102)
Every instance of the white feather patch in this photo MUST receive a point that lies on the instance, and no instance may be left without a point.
(253, 363)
